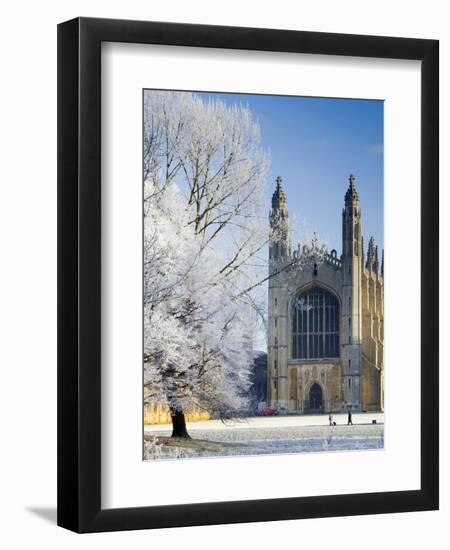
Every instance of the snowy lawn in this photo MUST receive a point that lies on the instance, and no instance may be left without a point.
(267, 435)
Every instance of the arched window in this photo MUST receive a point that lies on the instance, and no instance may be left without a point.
(315, 325)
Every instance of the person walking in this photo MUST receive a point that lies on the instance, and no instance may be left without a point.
(330, 419)
(349, 420)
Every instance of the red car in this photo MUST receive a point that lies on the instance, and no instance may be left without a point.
(269, 411)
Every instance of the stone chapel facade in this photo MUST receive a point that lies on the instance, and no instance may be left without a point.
(325, 322)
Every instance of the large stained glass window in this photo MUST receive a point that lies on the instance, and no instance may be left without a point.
(315, 325)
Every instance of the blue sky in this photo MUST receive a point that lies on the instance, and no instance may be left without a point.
(315, 144)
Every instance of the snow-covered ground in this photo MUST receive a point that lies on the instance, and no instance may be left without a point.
(271, 422)
(269, 435)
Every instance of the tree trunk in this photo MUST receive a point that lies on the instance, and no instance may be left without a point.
(179, 425)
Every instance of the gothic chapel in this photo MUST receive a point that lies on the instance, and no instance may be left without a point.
(325, 321)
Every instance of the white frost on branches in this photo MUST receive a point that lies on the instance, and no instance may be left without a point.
(204, 228)
(198, 348)
(203, 209)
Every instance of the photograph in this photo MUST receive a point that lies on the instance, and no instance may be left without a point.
(263, 274)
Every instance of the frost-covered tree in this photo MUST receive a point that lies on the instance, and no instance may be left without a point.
(205, 226)
(198, 348)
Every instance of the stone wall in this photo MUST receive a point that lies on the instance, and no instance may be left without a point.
(373, 340)
(159, 414)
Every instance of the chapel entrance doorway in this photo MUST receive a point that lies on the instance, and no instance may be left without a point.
(315, 398)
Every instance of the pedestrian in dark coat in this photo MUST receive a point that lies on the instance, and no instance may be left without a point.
(349, 421)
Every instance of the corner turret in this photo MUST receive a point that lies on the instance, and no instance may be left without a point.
(280, 246)
(352, 267)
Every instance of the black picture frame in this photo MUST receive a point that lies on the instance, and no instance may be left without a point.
(79, 274)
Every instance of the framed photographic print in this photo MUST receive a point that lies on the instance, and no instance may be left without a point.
(248, 275)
